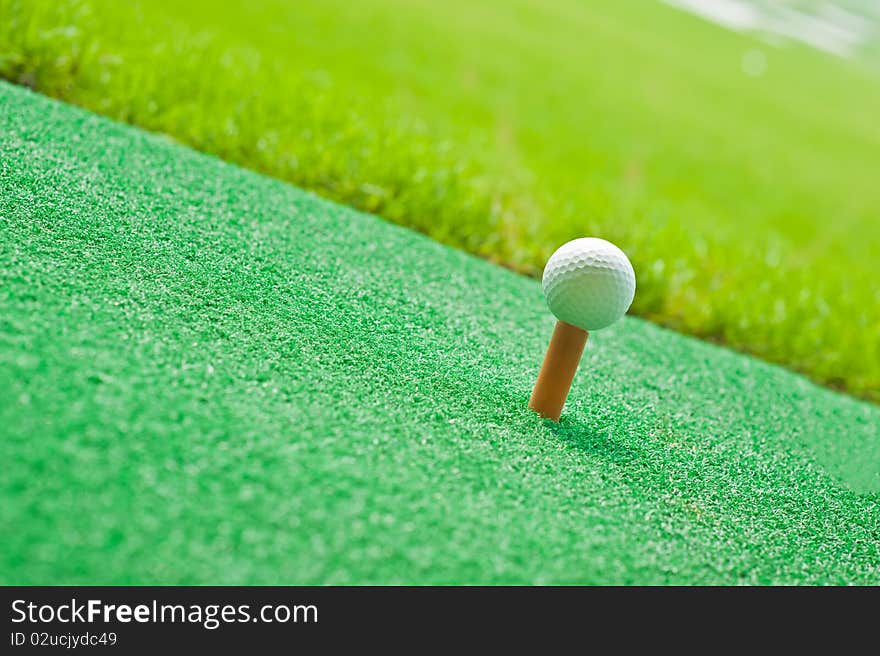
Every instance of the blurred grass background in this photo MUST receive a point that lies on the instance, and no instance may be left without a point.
(741, 178)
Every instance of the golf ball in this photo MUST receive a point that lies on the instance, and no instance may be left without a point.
(589, 283)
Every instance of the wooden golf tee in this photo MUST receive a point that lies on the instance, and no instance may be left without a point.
(557, 372)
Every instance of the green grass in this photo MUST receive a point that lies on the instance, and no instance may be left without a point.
(212, 377)
(748, 205)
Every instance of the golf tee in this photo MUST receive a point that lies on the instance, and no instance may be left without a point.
(557, 372)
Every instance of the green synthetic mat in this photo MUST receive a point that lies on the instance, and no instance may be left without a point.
(211, 377)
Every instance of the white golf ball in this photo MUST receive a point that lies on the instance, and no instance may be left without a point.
(589, 283)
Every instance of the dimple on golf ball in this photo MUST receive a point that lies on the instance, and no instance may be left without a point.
(589, 283)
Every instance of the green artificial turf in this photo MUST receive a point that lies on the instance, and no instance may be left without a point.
(748, 204)
(210, 376)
